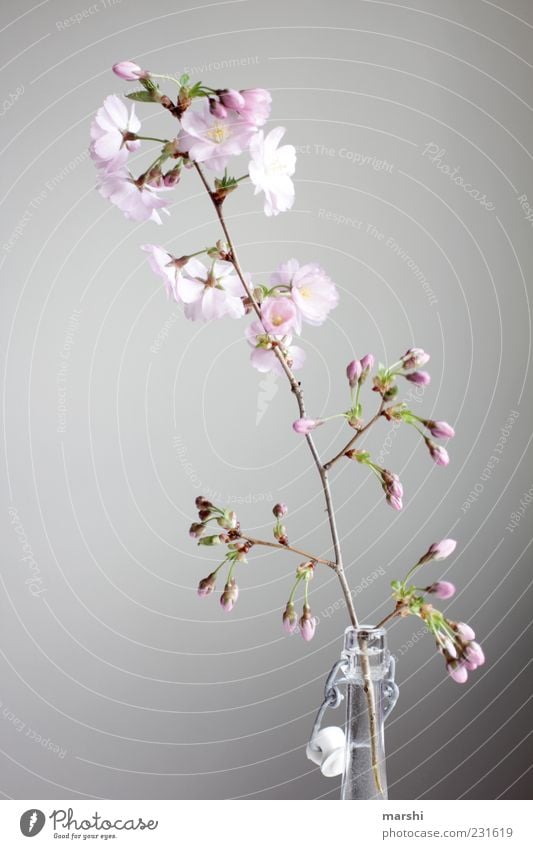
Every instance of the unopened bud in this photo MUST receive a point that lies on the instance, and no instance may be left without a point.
(215, 539)
(196, 530)
(353, 372)
(229, 597)
(307, 624)
(207, 585)
(289, 618)
(414, 358)
(280, 510)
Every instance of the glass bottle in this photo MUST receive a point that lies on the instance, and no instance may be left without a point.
(368, 671)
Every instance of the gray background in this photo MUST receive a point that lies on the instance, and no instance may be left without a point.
(117, 412)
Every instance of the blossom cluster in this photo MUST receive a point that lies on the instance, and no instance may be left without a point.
(215, 126)
(237, 548)
(455, 640)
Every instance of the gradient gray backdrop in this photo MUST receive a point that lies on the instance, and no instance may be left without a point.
(116, 680)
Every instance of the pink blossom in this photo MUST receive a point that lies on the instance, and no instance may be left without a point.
(440, 550)
(138, 202)
(457, 671)
(438, 453)
(257, 103)
(263, 357)
(279, 315)
(465, 631)
(414, 358)
(109, 133)
(441, 430)
(130, 71)
(212, 140)
(353, 372)
(167, 267)
(421, 378)
(210, 293)
(305, 426)
(442, 589)
(311, 289)
(271, 168)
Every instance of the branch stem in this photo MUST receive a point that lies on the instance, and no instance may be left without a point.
(294, 550)
(354, 439)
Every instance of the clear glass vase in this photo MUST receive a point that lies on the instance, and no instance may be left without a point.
(371, 693)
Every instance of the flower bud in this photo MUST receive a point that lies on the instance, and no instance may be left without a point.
(196, 530)
(172, 178)
(280, 510)
(367, 364)
(353, 372)
(439, 550)
(307, 624)
(130, 71)
(216, 539)
(201, 502)
(280, 532)
(474, 654)
(231, 98)
(438, 454)
(207, 585)
(421, 378)
(289, 618)
(394, 501)
(441, 589)
(464, 631)
(414, 358)
(217, 109)
(392, 482)
(440, 430)
(448, 647)
(305, 426)
(228, 520)
(230, 595)
(457, 671)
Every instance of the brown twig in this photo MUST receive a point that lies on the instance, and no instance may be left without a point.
(294, 550)
(354, 439)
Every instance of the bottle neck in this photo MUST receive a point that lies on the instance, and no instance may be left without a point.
(370, 643)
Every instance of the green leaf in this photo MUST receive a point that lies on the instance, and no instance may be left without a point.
(184, 79)
(143, 96)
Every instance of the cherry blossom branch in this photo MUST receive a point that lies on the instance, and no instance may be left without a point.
(298, 393)
(323, 473)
